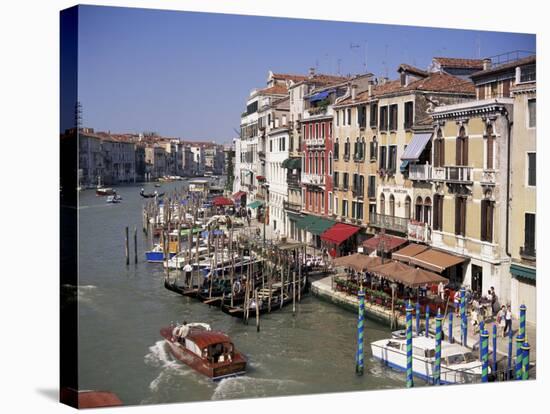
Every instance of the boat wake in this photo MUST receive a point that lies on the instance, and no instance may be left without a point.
(159, 356)
(249, 387)
(81, 292)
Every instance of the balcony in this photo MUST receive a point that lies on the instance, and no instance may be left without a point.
(292, 206)
(313, 179)
(528, 253)
(293, 181)
(420, 172)
(458, 174)
(419, 232)
(488, 177)
(315, 142)
(393, 223)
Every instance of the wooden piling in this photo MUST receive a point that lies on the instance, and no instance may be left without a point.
(294, 293)
(257, 311)
(135, 246)
(127, 247)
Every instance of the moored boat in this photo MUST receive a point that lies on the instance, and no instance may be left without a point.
(208, 352)
(156, 254)
(113, 199)
(459, 364)
(104, 191)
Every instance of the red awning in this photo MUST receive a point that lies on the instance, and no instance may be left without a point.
(260, 178)
(339, 233)
(238, 195)
(388, 242)
(222, 201)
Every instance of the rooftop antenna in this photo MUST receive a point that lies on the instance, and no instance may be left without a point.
(385, 61)
(354, 46)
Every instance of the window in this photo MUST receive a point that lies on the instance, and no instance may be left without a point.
(355, 183)
(408, 115)
(336, 149)
(382, 204)
(349, 116)
(372, 186)
(392, 205)
(528, 73)
(438, 212)
(382, 159)
(392, 158)
(462, 147)
(330, 163)
(460, 216)
(335, 205)
(347, 147)
(427, 210)
(373, 149)
(322, 169)
(361, 191)
(532, 107)
(439, 150)
(346, 181)
(373, 115)
(336, 176)
(529, 241)
(490, 148)
(383, 118)
(407, 207)
(531, 169)
(418, 209)
(359, 211)
(356, 148)
(337, 118)
(487, 208)
(362, 116)
(344, 208)
(393, 117)
(353, 209)
(284, 144)
(316, 130)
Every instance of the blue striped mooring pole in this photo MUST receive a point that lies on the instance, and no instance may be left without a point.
(519, 354)
(525, 360)
(494, 348)
(463, 321)
(484, 341)
(450, 327)
(437, 365)
(510, 343)
(481, 328)
(359, 365)
(427, 320)
(417, 318)
(522, 314)
(409, 349)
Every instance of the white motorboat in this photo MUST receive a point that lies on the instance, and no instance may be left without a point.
(459, 364)
(180, 259)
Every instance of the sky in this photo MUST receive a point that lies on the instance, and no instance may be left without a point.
(188, 75)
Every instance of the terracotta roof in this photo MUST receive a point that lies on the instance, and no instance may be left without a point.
(515, 63)
(413, 69)
(288, 76)
(274, 90)
(459, 63)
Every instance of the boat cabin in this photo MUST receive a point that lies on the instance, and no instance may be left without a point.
(214, 347)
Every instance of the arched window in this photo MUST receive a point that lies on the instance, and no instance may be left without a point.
(346, 148)
(322, 168)
(316, 164)
(310, 163)
(490, 148)
(330, 163)
(392, 205)
(418, 209)
(356, 148)
(336, 149)
(382, 204)
(427, 210)
(361, 185)
(362, 149)
(462, 147)
(407, 207)
(439, 149)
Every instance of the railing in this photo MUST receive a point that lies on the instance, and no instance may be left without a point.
(315, 179)
(420, 172)
(488, 177)
(292, 206)
(418, 231)
(458, 174)
(399, 224)
(293, 181)
(438, 173)
(315, 142)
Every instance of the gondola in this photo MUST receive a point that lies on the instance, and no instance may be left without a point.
(190, 292)
(150, 195)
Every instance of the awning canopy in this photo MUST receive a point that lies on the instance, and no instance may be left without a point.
(436, 260)
(339, 233)
(415, 147)
(320, 225)
(387, 242)
(256, 204)
(185, 232)
(519, 271)
(222, 201)
(357, 261)
(409, 251)
(238, 195)
(319, 96)
(260, 178)
(292, 163)
(407, 275)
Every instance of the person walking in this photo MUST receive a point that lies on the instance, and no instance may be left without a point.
(501, 320)
(508, 320)
(187, 269)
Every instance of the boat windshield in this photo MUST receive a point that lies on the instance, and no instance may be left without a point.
(222, 352)
(461, 358)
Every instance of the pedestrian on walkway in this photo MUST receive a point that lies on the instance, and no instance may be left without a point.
(508, 320)
(501, 319)
(187, 269)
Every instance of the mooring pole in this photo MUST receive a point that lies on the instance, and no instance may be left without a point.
(135, 246)
(463, 321)
(294, 293)
(417, 317)
(510, 344)
(522, 314)
(427, 320)
(494, 348)
(409, 371)
(359, 363)
(525, 360)
(519, 355)
(257, 310)
(484, 346)
(438, 334)
(127, 247)
(450, 327)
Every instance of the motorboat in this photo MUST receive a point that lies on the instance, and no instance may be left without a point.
(156, 254)
(459, 364)
(180, 259)
(105, 191)
(208, 352)
(114, 199)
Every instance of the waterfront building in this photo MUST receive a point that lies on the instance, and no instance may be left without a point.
(197, 152)
(471, 175)
(155, 161)
(90, 158)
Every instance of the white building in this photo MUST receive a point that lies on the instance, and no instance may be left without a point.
(277, 152)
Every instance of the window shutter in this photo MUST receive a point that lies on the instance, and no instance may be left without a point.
(481, 90)
(441, 153)
(458, 155)
(490, 145)
(506, 88)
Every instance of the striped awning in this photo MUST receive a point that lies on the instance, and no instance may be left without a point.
(415, 147)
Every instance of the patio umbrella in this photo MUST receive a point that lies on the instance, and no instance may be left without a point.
(419, 277)
(391, 270)
(356, 261)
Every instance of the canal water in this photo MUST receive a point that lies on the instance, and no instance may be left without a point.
(122, 308)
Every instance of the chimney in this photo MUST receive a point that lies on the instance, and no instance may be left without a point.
(486, 64)
(353, 92)
(369, 87)
(311, 72)
(383, 80)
